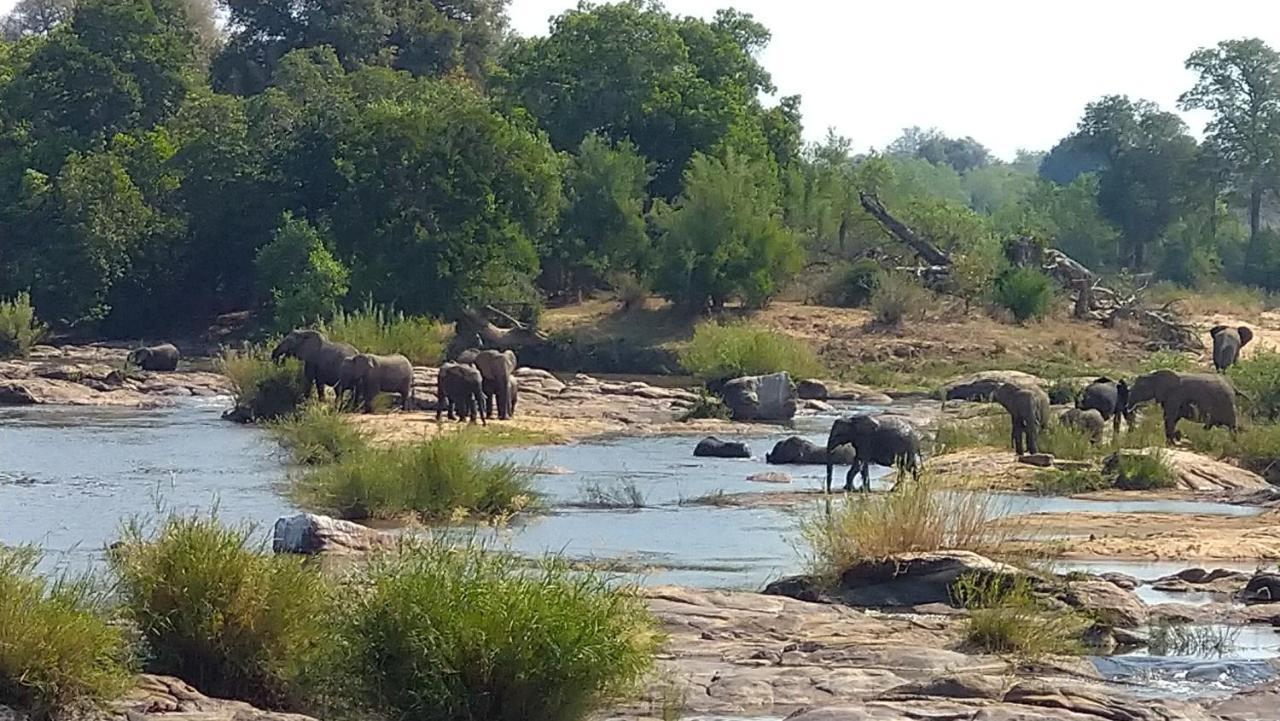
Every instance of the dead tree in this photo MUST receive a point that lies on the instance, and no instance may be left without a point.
(929, 252)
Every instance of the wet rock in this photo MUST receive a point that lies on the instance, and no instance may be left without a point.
(47, 391)
(769, 477)
(819, 406)
(761, 398)
(1050, 698)
(712, 447)
(156, 698)
(1122, 580)
(980, 386)
(1039, 460)
(1219, 580)
(310, 534)
(811, 390)
(1107, 602)
(1262, 588)
(797, 450)
(910, 579)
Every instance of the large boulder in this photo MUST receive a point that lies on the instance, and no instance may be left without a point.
(712, 447)
(49, 391)
(309, 534)
(797, 450)
(979, 386)
(1262, 588)
(907, 579)
(761, 398)
(1106, 602)
(810, 389)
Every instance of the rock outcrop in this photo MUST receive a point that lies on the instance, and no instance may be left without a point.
(161, 698)
(902, 580)
(97, 376)
(801, 451)
(1195, 472)
(309, 534)
(712, 447)
(761, 398)
(1106, 602)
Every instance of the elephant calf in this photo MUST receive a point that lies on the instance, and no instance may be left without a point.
(321, 358)
(366, 375)
(163, 357)
(882, 441)
(1028, 407)
(1109, 398)
(1090, 420)
(1207, 397)
(459, 388)
(1227, 343)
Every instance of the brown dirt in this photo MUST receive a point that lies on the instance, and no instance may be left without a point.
(1156, 536)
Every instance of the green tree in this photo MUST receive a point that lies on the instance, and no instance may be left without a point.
(724, 237)
(35, 17)
(300, 275)
(962, 154)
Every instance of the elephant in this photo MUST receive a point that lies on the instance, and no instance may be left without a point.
(460, 389)
(366, 375)
(1090, 420)
(882, 441)
(1028, 407)
(321, 358)
(1109, 398)
(496, 367)
(163, 357)
(1227, 343)
(1208, 397)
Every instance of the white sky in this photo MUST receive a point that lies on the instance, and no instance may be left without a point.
(1011, 73)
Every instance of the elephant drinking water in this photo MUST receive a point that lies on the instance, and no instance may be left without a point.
(883, 441)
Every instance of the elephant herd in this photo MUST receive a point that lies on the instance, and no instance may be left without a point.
(467, 387)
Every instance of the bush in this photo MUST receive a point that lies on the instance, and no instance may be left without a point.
(1140, 471)
(58, 654)
(300, 274)
(707, 406)
(19, 329)
(631, 290)
(898, 297)
(1068, 483)
(1258, 380)
(221, 614)
(1166, 359)
(855, 284)
(373, 330)
(318, 434)
(1073, 444)
(463, 633)
(1007, 617)
(432, 480)
(730, 351)
(263, 389)
(1063, 391)
(1025, 292)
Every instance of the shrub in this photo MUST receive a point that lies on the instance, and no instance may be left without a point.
(917, 516)
(263, 389)
(19, 329)
(707, 406)
(58, 654)
(983, 432)
(1025, 292)
(1007, 617)
(733, 350)
(319, 433)
(1063, 391)
(1258, 380)
(464, 633)
(1067, 483)
(855, 284)
(373, 330)
(218, 612)
(300, 274)
(631, 290)
(1140, 471)
(898, 297)
(1166, 359)
(432, 480)
(1073, 444)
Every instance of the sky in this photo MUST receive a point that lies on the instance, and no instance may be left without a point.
(1011, 73)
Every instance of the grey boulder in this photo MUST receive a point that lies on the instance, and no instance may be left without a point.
(761, 398)
(712, 447)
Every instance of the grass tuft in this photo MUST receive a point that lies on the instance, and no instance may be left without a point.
(264, 390)
(319, 434)
(1006, 617)
(19, 329)
(1167, 639)
(739, 349)
(624, 494)
(374, 330)
(985, 431)
(1140, 471)
(1068, 443)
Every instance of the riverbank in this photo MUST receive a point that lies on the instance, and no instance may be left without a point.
(99, 376)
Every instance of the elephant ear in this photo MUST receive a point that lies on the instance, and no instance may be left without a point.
(1246, 335)
(1217, 329)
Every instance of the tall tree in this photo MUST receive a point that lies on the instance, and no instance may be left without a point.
(962, 154)
(1239, 82)
(35, 17)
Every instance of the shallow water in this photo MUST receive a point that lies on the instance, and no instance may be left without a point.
(1248, 658)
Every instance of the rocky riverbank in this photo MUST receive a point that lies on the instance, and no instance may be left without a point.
(97, 376)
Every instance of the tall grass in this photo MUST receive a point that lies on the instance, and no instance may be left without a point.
(1258, 380)
(1140, 471)
(738, 349)
(986, 431)
(434, 480)
(624, 494)
(1256, 447)
(1005, 616)
(1066, 442)
(221, 614)
(1166, 359)
(916, 517)
(59, 656)
(1168, 639)
(19, 329)
(463, 634)
(319, 433)
(264, 390)
(375, 330)
(898, 297)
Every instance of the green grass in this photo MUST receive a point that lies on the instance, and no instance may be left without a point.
(707, 406)
(374, 330)
(898, 297)
(19, 329)
(59, 655)
(1140, 471)
(984, 431)
(1068, 483)
(223, 615)
(1147, 430)
(1167, 360)
(468, 634)
(1256, 447)
(1025, 292)
(1257, 378)
(1006, 617)
(739, 349)
(438, 479)
(1068, 443)
(319, 433)
(264, 390)
(624, 494)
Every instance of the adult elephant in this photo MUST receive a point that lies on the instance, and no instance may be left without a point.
(1207, 397)
(1227, 343)
(498, 369)
(459, 389)
(879, 440)
(366, 375)
(321, 358)
(1109, 398)
(1028, 408)
(163, 357)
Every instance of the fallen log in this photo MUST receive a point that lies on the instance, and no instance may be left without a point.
(926, 250)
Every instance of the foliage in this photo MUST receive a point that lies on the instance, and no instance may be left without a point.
(1171, 639)
(303, 279)
(448, 632)
(729, 351)
(1068, 483)
(898, 297)
(620, 495)
(431, 480)
(319, 433)
(60, 657)
(985, 432)
(975, 268)
(1166, 359)
(1025, 292)
(1140, 471)
(374, 329)
(855, 284)
(706, 406)
(264, 389)
(1257, 378)
(1073, 444)
(1006, 617)
(221, 613)
(19, 329)
(962, 154)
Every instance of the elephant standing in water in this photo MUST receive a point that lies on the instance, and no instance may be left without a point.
(1028, 408)
(366, 375)
(459, 389)
(1207, 397)
(163, 357)
(497, 368)
(1227, 343)
(882, 441)
(321, 358)
(1109, 398)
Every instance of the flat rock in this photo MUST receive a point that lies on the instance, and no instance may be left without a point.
(48, 391)
(769, 477)
(310, 534)
(163, 698)
(1107, 602)
(905, 580)
(1196, 472)
(819, 406)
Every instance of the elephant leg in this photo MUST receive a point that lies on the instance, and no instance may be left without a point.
(1017, 437)
(1032, 432)
(1172, 414)
(504, 402)
(866, 477)
(848, 478)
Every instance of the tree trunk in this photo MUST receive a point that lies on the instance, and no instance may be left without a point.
(926, 250)
(1255, 211)
(1084, 298)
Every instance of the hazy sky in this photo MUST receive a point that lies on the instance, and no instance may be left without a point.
(1012, 73)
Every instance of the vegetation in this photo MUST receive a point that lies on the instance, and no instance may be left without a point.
(375, 330)
(465, 633)
(433, 480)
(223, 615)
(1166, 359)
(319, 433)
(987, 431)
(1257, 378)
(60, 655)
(706, 406)
(1025, 292)
(1006, 617)
(299, 273)
(854, 285)
(1140, 471)
(1061, 441)
(19, 329)
(1068, 483)
(739, 349)
(624, 494)
(264, 390)
(898, 297)
(1170, 639)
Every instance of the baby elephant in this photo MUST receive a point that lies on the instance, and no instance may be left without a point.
(163, 357)
(366, 375)
(1109, 398)
(459, 390)
(1090, 420)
